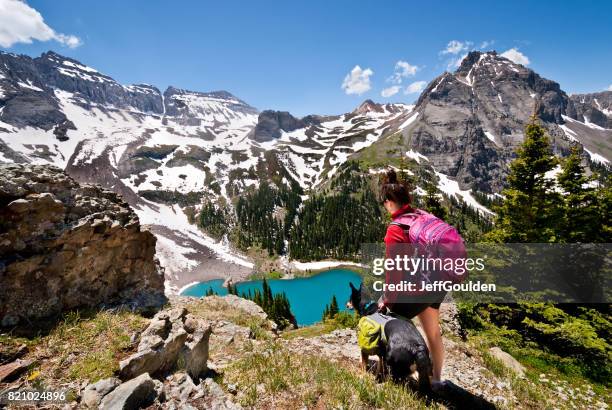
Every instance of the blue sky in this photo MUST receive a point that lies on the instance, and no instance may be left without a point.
(295, 56)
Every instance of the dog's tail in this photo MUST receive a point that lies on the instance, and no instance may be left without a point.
(425, 369)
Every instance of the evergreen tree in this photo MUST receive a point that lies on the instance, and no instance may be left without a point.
(432, 201)
(232, 289)
(530, 210)
(581, 217)
(325, 313)
(214, 220)
(604, 201)
(257, 298)
(333, 307)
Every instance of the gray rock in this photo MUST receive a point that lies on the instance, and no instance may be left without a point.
(195, 351)
(158, 359)
(181, 388)
(94, 393)
(172, 339)
(134, 394)
(217, 397)
(508, 361)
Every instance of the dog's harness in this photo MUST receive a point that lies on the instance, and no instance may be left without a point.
(382, 320)
(372, 326)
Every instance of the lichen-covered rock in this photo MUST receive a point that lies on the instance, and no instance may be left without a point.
(65, 245)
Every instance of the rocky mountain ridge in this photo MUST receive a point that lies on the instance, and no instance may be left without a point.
(469, 123)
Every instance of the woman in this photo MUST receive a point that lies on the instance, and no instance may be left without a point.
(395, 197)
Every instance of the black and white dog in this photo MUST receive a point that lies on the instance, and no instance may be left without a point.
(405, 351)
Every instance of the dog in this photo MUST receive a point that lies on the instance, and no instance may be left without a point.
(405, 350)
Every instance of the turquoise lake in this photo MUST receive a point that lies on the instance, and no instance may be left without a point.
(307, 296)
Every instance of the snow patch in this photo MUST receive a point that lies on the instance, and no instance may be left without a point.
(29, 85)
(595, 157)
(416, 156)
(490, 136)
(409, 121)
(591, 125)
(451, 188)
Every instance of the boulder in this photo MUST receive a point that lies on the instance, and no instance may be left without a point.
(94, 393)
(195, 351)
(134, 394)
(508, 361)
(172, 339)
(83, 241)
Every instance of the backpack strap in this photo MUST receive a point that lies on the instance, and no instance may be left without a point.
(405, 226)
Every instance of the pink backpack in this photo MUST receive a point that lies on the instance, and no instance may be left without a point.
(435, 237)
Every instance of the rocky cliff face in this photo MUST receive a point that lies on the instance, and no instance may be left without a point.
(595, 108)
(63, 245)
(271, 124)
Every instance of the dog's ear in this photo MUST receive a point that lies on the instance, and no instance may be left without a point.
(361, 287)
(352, 286)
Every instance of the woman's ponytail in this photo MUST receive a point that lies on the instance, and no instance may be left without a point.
(393, 190)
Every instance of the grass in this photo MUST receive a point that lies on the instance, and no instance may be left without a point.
(342, 320)
(273, 377)
(216, 308)
(530, 391)
(88, 347)
(317, 329)
(266, 275)
(85, 345)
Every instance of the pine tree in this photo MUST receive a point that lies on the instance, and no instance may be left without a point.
(581, 217)
(333, 307)
(257, 298)
(530, 210)
(432, 201)
(604, 201)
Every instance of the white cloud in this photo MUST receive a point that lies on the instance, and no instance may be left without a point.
(456, 47)
(69, 40)
(20, 23)
(391, 91)
(415, 87)
(516, 56)
(610, 87)
(402, 70)
(486, 44)
(357, 81)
